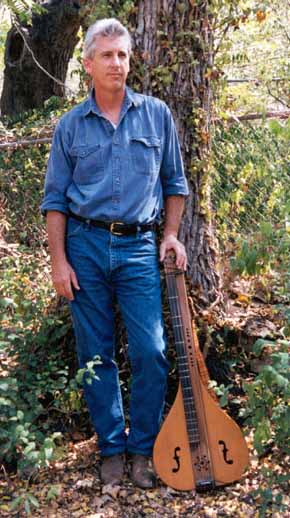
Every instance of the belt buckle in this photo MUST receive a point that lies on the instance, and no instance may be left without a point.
(113, 231)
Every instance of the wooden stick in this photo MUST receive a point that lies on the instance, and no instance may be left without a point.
(25, 143)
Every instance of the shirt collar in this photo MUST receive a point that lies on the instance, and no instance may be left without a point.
(131, 98)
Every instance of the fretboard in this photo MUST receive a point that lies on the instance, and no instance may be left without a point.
(182, 360)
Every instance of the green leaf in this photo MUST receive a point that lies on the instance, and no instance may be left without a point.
(260, 344)
(6, 302)
(275, 127)
(15, 503)
(266, 229)
(27, 506)
(31, 447)
(33, 500)
(53, 492)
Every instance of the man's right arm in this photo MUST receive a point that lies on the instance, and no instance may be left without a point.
(63, 276)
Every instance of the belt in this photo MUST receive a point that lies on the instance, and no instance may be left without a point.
(116, 227)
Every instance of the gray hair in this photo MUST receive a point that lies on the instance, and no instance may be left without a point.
(108, 27)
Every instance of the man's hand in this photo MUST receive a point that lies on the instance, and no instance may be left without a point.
(170, 242)
(64, 279)
(63, 276)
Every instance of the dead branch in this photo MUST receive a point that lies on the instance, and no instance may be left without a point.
(24, 143)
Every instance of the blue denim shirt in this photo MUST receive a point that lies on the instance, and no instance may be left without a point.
(122, 174)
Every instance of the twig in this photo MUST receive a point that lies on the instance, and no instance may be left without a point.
(255, 80)
(25, 143)
(256, 116)
(277, 98)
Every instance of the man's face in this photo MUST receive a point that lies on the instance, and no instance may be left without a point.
(110, 65)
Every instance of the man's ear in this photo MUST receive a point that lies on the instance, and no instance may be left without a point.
(87, 64)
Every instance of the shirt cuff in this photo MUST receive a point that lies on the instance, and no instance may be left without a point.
(56, 202)
(175, 190)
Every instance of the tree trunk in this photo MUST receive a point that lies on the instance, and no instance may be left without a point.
(173, 59)
(50, 40)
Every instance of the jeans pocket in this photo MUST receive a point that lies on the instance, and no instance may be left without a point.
(148, 240)
(73, 227)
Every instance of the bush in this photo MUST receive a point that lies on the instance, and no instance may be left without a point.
(268, 408)
(251, 178)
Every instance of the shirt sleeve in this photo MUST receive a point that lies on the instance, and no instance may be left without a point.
(172, 172)
(58, 174)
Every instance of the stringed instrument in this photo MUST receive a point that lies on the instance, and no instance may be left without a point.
(199, 446)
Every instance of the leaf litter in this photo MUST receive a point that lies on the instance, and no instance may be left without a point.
(71, 488)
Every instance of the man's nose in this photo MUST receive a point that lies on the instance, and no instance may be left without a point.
(116, 60)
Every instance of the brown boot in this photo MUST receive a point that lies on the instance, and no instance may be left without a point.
(142, 473)
(112, 469)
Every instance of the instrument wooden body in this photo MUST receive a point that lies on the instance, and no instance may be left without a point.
(199, 446)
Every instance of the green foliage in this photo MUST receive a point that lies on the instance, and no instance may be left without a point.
(22, 174)
(256, 51)
(268, 405)
(37, 383)
(268, 412)
(4, 27)
(38, 386)
(39, 393)
(251, 195)
(26, 500)
(251, 198)
(251, 183)
(266, 249)
(269, 498)
(120, 9)
(222, 392)
(23, 9)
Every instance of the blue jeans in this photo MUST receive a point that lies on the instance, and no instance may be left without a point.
(125, 266)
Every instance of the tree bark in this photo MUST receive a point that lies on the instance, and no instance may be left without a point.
(50, 40)
(173, 60)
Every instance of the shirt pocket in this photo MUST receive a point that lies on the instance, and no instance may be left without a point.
(89, 164)
(145, 154)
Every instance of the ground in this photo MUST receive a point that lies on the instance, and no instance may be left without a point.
(71, 488)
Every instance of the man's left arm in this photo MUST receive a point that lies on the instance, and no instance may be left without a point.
(173, 206)
(175, 189)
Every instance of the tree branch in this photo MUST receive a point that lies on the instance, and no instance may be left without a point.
(24, 143)
(277, 98)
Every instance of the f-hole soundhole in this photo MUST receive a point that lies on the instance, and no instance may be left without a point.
(177, 460)
(225, 452)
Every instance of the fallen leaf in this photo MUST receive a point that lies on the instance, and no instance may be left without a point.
(84, 484)
(112, 490)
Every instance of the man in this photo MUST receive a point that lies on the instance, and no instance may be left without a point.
(114, 162)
